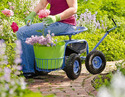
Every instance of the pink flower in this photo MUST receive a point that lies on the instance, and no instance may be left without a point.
(43, 13)
(14, 27)
(8, 12)
(9, 3)
(12, 7)
(52, 34)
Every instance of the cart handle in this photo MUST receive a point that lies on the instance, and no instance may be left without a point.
(114, 22)
(113, 27)
(107, 32)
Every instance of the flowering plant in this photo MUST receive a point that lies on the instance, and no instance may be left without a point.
(41, 40)
(8, 12)
(7, 26)
(12, 85)
(90, 21)
(14, 27)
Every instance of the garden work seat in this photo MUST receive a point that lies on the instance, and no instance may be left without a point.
(75, 47)
(70, 33)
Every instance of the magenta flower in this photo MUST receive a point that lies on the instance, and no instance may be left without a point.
(8, 12)
(14, 27)
(43, 13)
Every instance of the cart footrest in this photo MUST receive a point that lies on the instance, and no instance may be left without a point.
(77, 48)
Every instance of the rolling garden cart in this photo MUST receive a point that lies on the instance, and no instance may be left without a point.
(68, 56)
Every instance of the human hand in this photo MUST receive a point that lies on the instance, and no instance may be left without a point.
(51, 19)
(29, 18)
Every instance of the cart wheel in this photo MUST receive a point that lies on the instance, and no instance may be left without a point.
(73, 66)
(95, 62)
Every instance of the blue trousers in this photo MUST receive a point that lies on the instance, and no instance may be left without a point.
(28, 57)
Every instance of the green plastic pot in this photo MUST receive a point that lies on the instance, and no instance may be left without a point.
(49, 57)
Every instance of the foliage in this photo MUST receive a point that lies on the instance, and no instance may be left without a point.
(121, 67)
(112, 7)
(10, 52)
(105, 80)
(11, 84)
(104, 11)
(29, 93)
(21, 9)
(113, 45)
(102, 80)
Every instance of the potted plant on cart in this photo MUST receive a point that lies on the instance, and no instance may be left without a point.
(49, 53)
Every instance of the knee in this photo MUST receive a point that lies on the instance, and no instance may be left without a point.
(20, 32)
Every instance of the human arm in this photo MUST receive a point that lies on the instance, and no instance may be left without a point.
(63, 15)
(70, 11)
(41, 5)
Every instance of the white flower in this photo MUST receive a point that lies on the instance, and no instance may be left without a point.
(116, 89)
(104, 92)
(22, 83)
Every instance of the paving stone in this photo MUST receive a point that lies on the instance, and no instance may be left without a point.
(59, 84)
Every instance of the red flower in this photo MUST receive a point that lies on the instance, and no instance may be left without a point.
(14, 27)
(43, 13)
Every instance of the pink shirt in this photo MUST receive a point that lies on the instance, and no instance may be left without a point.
(58, 6)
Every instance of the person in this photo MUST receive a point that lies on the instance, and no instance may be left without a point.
(61, 19)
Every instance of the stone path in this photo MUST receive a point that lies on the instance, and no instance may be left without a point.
(57, 83)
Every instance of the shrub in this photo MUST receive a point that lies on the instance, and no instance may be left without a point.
(105, 10)
(11, 84)
(106, 79)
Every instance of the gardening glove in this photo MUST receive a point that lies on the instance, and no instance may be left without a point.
(51, 19)
(29, 18)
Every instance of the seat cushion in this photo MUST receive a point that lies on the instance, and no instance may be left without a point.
(76, 31)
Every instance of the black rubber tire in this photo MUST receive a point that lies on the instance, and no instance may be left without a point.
(69, 66)
(41, 73)
(89, 64)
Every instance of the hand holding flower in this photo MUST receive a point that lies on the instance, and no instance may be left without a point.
(43, 13)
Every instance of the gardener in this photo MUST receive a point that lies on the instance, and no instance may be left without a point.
(61, 19)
